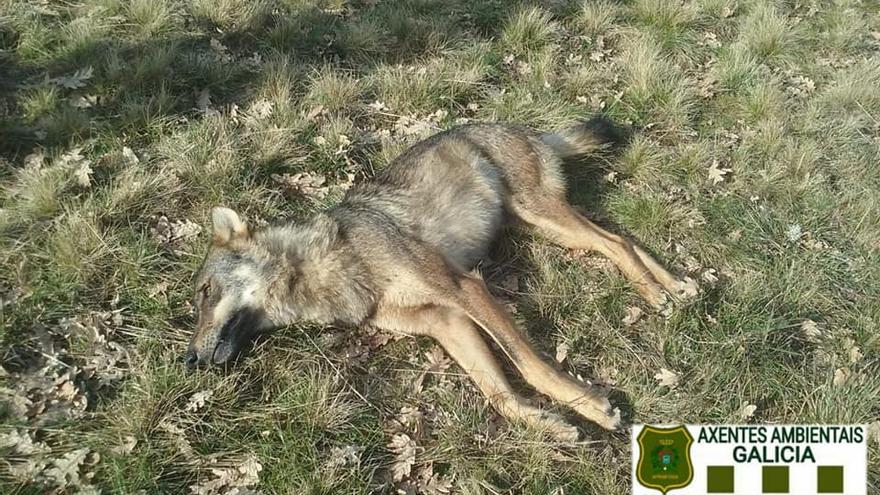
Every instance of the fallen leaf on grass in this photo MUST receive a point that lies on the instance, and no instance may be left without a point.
(64, 471)
(747, 410)
(350, 455)
(204, 103)
(178, 438)
(855, 355)
(438, 361)
(217, 46)
(83, 174)
(667, 378)
(717, 174)
(599, 52)
(404, 450)
(377, 106)
(126, 447)
(633, 314)
(411, 417)
(260, 109)
(710, 276)
(198, 399)
(74, 81)
(35, 160)
(841, 377)
(83, 101)
(129, 155)
(242, 475)
(305, 184)
(21, 443)
(562, 349)
(427, 482)
(173, 234)
(811, 332)
(801, 86)
(607, 376)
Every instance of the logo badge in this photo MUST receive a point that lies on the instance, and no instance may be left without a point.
(665, 458)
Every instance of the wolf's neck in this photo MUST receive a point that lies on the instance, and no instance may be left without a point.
(326, 283)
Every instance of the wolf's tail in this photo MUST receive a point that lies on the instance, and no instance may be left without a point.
(595, 134)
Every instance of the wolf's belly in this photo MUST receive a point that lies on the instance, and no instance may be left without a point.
(460, 210)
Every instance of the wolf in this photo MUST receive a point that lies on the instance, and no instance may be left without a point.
(399, 253)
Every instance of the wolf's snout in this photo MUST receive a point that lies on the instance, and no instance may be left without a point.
(192, 359)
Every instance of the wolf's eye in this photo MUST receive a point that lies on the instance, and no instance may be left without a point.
(206, 289)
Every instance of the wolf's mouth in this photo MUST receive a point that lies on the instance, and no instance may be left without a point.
(223, 352)
(233, 335)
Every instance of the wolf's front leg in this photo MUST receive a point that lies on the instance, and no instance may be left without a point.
(476, 301)
(458, 336)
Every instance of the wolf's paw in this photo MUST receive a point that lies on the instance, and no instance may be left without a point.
(655, 295)
(666, 305)
(686, 289)
(558, 428)
(599, 411)
(610, 418)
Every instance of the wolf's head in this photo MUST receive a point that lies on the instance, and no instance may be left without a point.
(232, 290)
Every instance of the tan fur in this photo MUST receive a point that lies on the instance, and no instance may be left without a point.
(397, 251)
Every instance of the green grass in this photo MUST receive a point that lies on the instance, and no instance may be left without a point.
(179, 105)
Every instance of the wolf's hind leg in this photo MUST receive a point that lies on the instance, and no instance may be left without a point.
(559, 221)
(457, 335)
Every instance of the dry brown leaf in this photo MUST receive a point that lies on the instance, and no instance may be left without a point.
(178, 438)
(129, 155)
(431, 483)
(562, 349)
(633, 314)
(260, 109)
(710, 275)
(801, 86)
(841, 377)
(217, 46)
(198, 399)
(717, 174)
(404, 450)
(126, 447)
(747, 410)
(74, 81)
(810, 331)
(174, 234)
(243, 474)
(667, 378)
(350, 455)
(64, 471)
(607, 376)
(305, 184)
(855, 355)
(22, 443)
(438, 361)
(83, 101)
(411, 418)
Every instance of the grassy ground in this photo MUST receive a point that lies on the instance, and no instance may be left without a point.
(753, 170)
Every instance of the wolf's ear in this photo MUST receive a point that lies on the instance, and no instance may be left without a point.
(227, 225)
